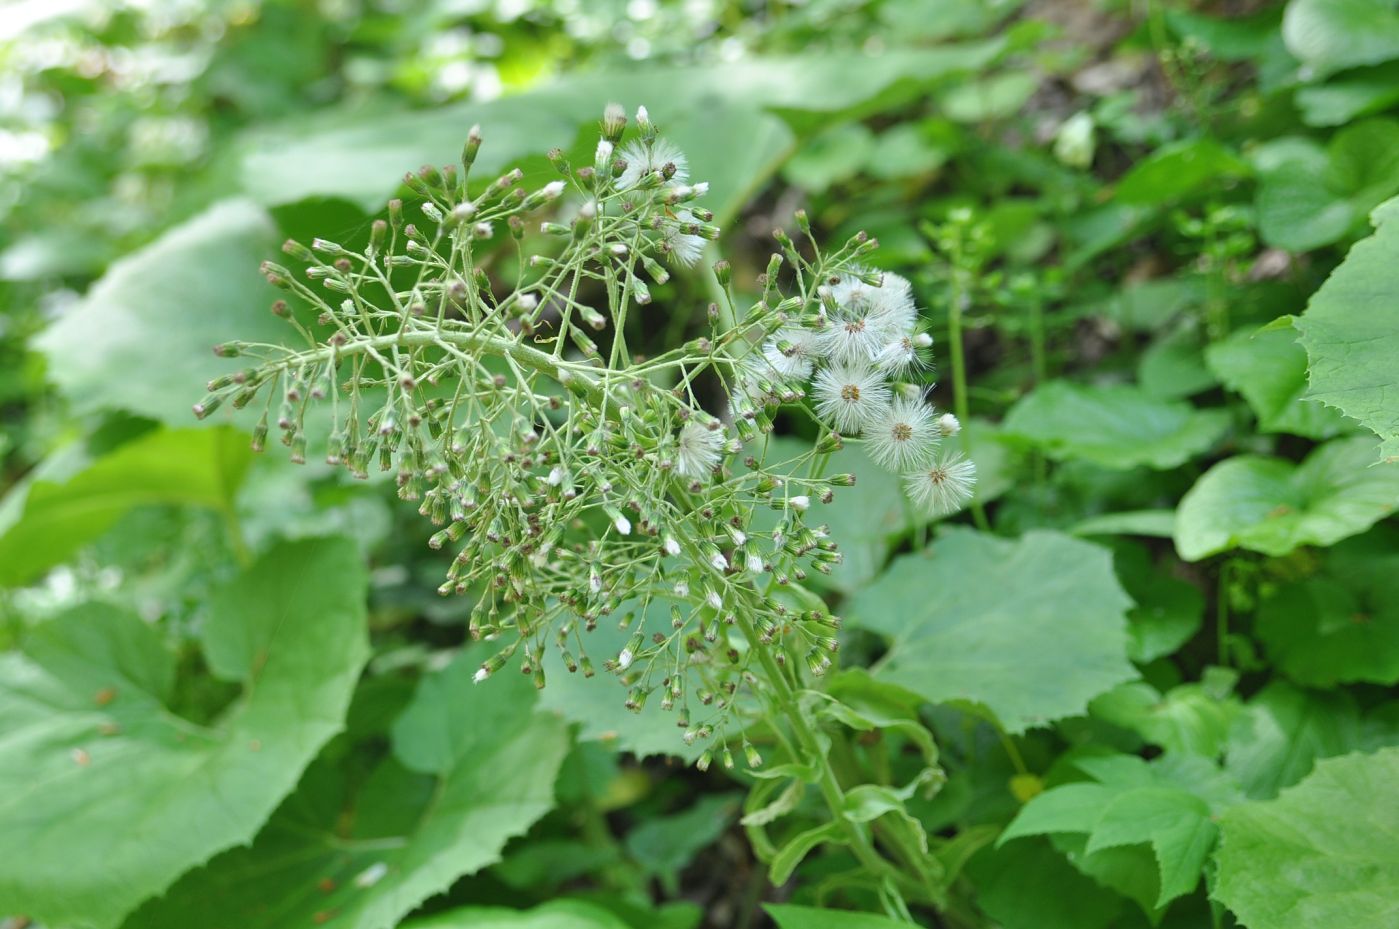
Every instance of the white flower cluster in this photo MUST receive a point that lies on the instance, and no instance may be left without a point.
(854, 354)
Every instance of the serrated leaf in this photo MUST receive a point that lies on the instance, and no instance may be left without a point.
(1032, 628)
(1114, 426)
(473, 765)
(192, 467)
(1341, 626)
(1167, 804)
(1351, 334)
(86, 730)
(1269, 368)
(1176, 825)
(1324, 853)
(1272, 506)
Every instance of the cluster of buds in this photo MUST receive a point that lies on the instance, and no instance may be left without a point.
(581, 483)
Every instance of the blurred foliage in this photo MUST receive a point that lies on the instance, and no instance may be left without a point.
(1115, 211)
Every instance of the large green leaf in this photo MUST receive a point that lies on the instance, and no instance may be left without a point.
(141, 339)
(1114, 426)
(1332, 35)
(1324, 853)
(1169, 804)
(106, 796)
(473, 765)
(1169, 610)
(1343, 625)
(1033, 628)
(1351, 334)
(196, 467)
(360, 156)
(1272, 506)
(1269, 369)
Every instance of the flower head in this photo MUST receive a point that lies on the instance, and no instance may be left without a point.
(684, 248)
(944, 487)
(698, 449)
(644, 157)
(903, 436)
(904, 354)
(792, 352)
(850, 396)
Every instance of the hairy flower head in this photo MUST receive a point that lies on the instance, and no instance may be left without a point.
(850, 396)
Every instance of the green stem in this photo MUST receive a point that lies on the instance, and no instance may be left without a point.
(784, 700)
(959, 381)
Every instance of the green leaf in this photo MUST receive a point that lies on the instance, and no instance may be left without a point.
(1169, 610)
(1116, 426)
(1351, 334)
(598, 704)
(866, 517)
(1282, 733)
(1360, 93)
(1341, 626)
(1324, 853)
(1178, 170)
(663, 845)
(194, 467)
(556, 914)
(1168, 804)
(1155, 523)
(1188, 719)
(1272, 506)
(1172, 367)
(359, 157)
(791, 916)
(1332, 35)
(473, 765)
(1309, 197)
(194, 287)
(88, 731)
(834, 156)
(991, 98)
(1032, 628)
(1269, 368)
(1028, 885)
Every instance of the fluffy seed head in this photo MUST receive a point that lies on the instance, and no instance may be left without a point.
(644, 157)
(792, 352)
(698, 449)
(903, 436)
(944, 487)
(850, 396)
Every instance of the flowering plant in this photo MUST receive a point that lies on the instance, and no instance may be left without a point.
(585, 483)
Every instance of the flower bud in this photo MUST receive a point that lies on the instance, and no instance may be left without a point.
(614, 121)
(723, 271)
(472, 146)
